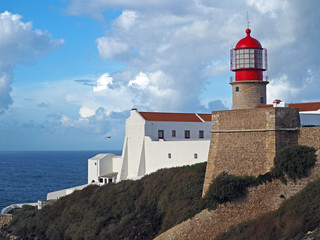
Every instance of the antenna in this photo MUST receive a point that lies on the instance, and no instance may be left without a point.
(248, 23)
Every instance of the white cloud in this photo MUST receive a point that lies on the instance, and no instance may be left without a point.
(95, 8)
(126, 19)
(171, 50)
(103, 82)
(19, 44)
(109, 47)
(141, 81)
(280, 88)
(168, 59)
(271, 6)
(86, 112)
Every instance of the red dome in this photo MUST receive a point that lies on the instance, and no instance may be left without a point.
(248, 42)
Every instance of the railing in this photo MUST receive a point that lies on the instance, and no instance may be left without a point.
(265, 78)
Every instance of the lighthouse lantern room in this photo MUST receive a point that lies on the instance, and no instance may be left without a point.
(248, 60)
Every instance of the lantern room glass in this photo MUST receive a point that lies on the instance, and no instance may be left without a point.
(248, 58)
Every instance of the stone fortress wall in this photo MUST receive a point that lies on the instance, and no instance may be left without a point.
(310, 136)
(245, 141)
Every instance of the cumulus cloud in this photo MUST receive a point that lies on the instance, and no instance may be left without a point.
(109, 47)
(126, 19)
(169, 59)
(19, 44)
(103, 82)
(173, 53)
(172, 49)
(98, 122)
(279, 88)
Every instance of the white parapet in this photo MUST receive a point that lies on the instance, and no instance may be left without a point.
(64, 192)
(10, 207)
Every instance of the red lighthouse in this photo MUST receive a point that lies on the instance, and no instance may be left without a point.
(248, 61)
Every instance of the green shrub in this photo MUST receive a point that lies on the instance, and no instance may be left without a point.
(226, 188)
(294, 161)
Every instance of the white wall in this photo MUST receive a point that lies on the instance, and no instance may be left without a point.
(123, 173)
(182, 153)
(92, 171)
(135, 125)
(143, 153)
(64, 192)
(117, 164)
(135, 131)
(99, 165)
(310, 118)
(194, 127)
(106, 164)
(135, 153)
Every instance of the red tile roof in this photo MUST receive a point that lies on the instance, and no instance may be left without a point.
(206, 117)
(174, 117)
(308, 106)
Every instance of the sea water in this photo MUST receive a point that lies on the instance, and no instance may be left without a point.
(27, 176)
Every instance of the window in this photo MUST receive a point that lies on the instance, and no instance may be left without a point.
(249, 58)
(196, 156)
(100, 180)
(261, 100)
(173, 133)
(237, 89)
(187, 134)
(161, 134)
(169, 155)
(201, 134)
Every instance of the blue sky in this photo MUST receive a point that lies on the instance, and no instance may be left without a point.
(71, 70)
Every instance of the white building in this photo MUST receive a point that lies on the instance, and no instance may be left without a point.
(156, 140)
(153, 141)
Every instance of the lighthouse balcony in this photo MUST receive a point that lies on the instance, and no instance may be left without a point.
(265, 79)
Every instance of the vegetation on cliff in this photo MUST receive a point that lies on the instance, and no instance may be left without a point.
(128, 210)
(294, 161)
(145, 208)
(292, 220)
(226, 188)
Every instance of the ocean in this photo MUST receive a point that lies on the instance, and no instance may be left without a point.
(27, 176)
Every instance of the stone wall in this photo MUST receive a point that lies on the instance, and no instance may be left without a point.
(310, 136)
(245, 141)
(249, 94)
(259, 201)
